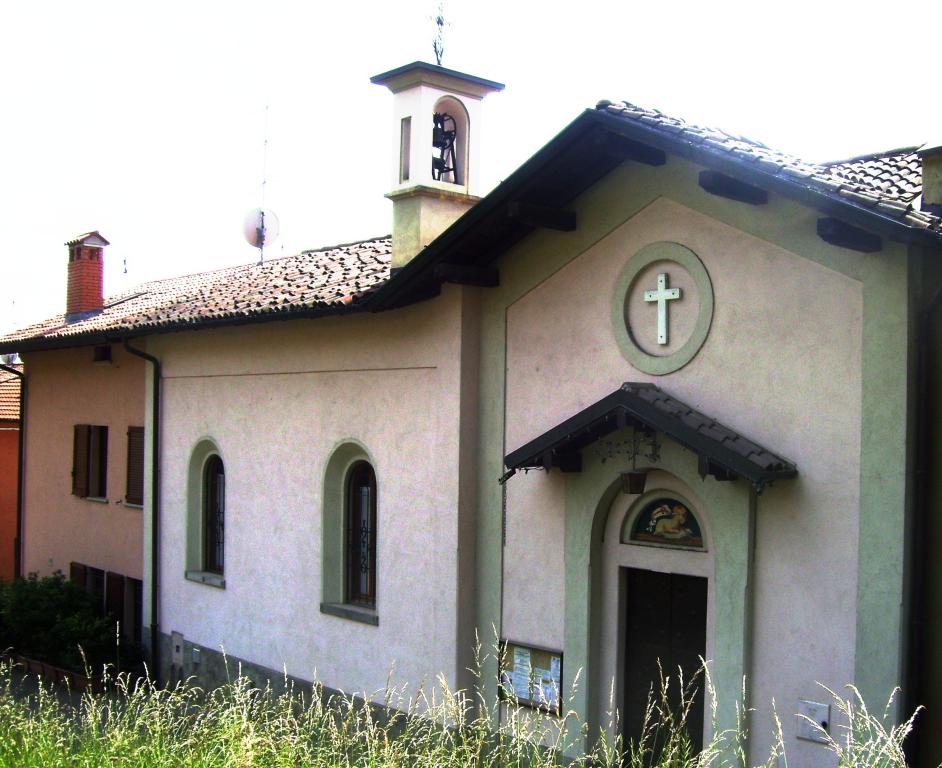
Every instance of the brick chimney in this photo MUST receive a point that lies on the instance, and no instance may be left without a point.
(85, 273)
(931, 157)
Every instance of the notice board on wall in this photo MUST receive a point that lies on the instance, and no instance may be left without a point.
(531, 676)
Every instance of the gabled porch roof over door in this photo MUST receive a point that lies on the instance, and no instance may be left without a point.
(722, 452)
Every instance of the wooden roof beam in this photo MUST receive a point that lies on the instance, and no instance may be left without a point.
(623, 148)
(721, 185)
(484, 276)
(706, 466)
(541, 216)
(844, 235)
(568, 462)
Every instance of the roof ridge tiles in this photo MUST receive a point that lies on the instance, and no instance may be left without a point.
(347, 245)
(139, 288)
(322, 279)
(885, 183)
(868, 156)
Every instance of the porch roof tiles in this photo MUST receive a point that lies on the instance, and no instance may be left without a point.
(722, 452)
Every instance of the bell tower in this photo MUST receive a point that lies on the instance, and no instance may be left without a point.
(436, 138)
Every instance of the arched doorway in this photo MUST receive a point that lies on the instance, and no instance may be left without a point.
(656, 603)
(594, 502)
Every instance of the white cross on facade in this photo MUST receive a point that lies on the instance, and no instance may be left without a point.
(662, 295)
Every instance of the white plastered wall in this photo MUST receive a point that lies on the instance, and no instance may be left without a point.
(782, 365)
(277, 399)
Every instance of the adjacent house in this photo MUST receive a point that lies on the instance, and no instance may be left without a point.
(83, 451)
(10, 377)
(665, 393)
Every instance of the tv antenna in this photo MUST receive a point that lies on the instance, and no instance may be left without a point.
(261, 225)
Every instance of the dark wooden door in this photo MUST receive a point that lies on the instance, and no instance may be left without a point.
(666, 621)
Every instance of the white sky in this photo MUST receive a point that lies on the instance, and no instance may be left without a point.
(146, 121)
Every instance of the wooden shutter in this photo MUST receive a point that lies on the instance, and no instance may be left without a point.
(80, 460)
(98, 462)
(95, 586)
(135, 490)
(137, 587)
(133, 594)
(114, 596)
(77, 574)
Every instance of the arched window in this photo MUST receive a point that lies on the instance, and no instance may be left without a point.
(214, 515)
(360, 512)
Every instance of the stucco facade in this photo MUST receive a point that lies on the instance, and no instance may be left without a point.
(618, 254)
(67, 388)
(764, 369)
(409, 387)
(278, 401)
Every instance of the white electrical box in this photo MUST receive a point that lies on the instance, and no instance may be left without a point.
(817, 713)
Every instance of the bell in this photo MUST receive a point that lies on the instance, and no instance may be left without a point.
(444, 132)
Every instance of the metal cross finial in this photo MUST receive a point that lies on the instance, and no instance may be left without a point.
(438, 44)
(662, 295)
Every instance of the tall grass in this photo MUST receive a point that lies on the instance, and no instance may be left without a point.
(137, 724)
(864, 739)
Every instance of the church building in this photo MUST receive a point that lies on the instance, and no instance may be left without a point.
(663, 394)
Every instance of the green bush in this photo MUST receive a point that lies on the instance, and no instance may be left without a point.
(53, 620)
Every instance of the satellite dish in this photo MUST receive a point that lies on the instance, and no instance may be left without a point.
(261, 228)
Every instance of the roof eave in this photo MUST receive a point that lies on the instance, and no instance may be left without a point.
(113, 336)
(509, 189)
(742, 169)
(588, 126)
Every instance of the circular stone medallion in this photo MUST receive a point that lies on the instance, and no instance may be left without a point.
(662, 308)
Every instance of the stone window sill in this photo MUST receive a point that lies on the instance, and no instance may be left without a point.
(352, 612)
(132, 505)
(96, 499)
(207, 578)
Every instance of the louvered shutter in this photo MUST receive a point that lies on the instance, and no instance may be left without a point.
(77, 574)
(135, 490)
(95, 586)
(114, 595)
(131, 624)
(80, 460)
(133, 607)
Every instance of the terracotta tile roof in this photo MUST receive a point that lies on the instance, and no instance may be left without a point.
(342, 278)
(328, 279)
(888, 183)
(10, 395)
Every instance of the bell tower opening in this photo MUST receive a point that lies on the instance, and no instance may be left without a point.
(450, 142)
(435, 156)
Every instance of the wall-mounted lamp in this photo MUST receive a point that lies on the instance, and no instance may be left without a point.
(632, 482)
